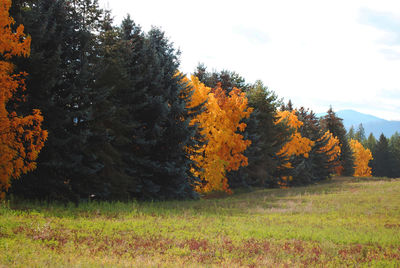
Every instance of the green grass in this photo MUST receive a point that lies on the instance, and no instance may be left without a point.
(343, 222)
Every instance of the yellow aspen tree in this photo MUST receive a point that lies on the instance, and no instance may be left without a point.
(21, 137)
(362, 157)
(297, 145)
(332, 148)
(219, 124)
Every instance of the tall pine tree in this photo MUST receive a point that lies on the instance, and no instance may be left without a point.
(334, 124)
(266, 136)
(60, 83)
(383, 164)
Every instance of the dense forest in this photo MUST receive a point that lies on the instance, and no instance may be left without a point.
(90, 110)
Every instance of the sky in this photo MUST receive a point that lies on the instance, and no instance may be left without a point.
(316, 53)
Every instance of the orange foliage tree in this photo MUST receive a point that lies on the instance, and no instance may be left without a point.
(331, 148)
(362, 157)
(219, 125)
(21, 138)
(297, 144)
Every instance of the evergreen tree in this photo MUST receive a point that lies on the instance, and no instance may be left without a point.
(334, 124)
(287, 107)
(110, 181)
(267, 138)
(227, 79)
(383, 162)
(350, 134)
(160, 162)
(317, 166)
(394, 145)
(360, 134)
(370, 143)
(60, 84)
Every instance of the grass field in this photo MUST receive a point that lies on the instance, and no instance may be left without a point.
(342, 222)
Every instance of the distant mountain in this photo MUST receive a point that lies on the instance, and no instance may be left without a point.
(370, 123)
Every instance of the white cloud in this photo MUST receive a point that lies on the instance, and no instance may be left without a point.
(314, 52)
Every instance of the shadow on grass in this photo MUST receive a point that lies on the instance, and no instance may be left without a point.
(241, 202)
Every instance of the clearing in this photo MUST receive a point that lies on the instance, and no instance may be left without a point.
(342, 222)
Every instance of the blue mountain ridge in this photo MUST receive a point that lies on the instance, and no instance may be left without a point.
(371, 124)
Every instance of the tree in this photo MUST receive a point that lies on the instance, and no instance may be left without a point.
(362, 157)
(287, 107)
(325, 152)
(383, 162)
(266, 136)
(227, 79)
(335, 126)
(111, 135)
(219, 125)
(370, 143)
(350, 134)
(321, 159)
(61, 85)
(360, 134)
(297, 146)
(21, 137)
(160, 160)
(331, 149)
(394, 144)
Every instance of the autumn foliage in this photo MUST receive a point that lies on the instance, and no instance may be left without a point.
(297, 145)
(21, 137)
(362, 157)
(332, 147)
(219, 124)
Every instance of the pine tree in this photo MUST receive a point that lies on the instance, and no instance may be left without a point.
(370, 143)
(60, 84)
(320, 161)
(227, 79)
(351, 133)
(383, 162)
(267, 138)
(360, 134)
(160, 162)
(109, 181)
(287, 107)
(394, 145)
(334, 124)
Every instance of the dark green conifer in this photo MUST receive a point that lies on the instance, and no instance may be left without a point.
(334, 124)
(370, 143)
(360, 134)
(267, 138)
(227, 79)
(351, 134)
(59, 84)
(394, 144)
(383, 162)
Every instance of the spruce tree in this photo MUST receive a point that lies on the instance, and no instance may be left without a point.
(360, 134)
(383, 162)
(227, 79)
(287, 107)
(59, 84)
(394, 145)
(160, 161)
(317, 166)
(267, 138)
(370, 143)
(334, 124)
(110, 179)
(351, 133)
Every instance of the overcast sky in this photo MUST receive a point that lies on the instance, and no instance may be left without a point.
(344, 53)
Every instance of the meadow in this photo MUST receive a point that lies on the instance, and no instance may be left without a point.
(342, 222)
